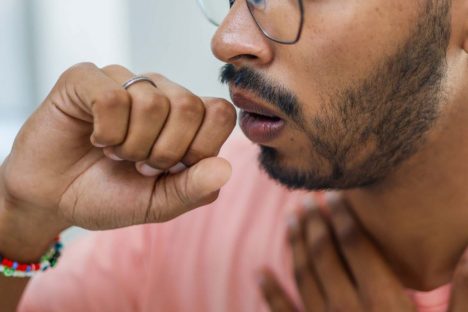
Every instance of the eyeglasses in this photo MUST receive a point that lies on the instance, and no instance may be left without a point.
(280, 20)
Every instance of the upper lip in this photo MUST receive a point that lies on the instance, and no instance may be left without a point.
(249, 105)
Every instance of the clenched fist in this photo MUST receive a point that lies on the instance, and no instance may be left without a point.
(95, 155)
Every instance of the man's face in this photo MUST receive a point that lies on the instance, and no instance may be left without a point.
(357, 94)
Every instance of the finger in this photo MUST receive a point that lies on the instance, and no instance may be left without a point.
(338, 290)
(218, 124)
(185, 118)
(105, 102)
(376, 283)
(311, 294)
(274, 295)
(197, 186)
(177, 168)
(459, 298)
(149, 111)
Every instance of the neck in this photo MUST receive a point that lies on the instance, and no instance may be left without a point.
(418, 216)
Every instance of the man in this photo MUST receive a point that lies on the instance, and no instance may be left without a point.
(365, 97)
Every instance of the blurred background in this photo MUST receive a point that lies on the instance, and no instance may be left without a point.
(39, 39)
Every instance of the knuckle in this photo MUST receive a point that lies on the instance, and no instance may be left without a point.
(190, 106)
(14, 187)
(346, 229)
(112, 99)
(193, 156)
(154, 76)
(224, 113)
(347, 233)
(108, 138)
(300, 271)
(113, 67)
(78, 69)
(154, 104)
(132, 154)
(317, 243)
(83, 66)
(164, 159)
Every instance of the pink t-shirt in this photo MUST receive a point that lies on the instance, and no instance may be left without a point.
(207, 260)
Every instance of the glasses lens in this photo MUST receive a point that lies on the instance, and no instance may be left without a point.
(215, 10)
(280, 20)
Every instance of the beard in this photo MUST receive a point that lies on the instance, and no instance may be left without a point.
(390, 112)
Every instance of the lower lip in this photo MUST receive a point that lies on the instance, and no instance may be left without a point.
(260, 130)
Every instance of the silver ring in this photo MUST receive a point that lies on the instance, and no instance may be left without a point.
(137, 79)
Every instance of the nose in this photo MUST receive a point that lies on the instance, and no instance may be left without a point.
(239, 41)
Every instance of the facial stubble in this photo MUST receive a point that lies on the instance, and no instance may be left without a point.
(364, 132)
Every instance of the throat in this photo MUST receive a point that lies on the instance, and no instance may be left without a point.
(422, 243)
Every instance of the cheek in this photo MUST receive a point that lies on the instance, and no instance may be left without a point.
(342, 43)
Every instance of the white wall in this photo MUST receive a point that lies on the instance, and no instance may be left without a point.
(73, 31)
(15, 83)
(173, 38)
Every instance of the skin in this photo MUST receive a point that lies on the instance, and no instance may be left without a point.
(67, 165)
(410, 203)
(363, 130)
(338, 268)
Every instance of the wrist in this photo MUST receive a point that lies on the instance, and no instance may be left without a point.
(25, 236)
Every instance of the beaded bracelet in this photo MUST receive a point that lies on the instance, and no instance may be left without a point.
(11, 268)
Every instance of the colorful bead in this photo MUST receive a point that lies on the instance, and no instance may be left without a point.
(49, 260)
(8, 272)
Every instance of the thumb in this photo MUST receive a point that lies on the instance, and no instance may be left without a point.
(198, 185)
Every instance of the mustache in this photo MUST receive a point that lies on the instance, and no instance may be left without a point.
(250, 80)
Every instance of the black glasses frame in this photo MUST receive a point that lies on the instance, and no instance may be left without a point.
(264, 32)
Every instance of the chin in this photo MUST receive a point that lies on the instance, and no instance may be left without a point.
(317, 176)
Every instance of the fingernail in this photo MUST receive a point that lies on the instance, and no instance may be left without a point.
(331, 196)
(309, 203)
(293, 222)
(114, 157)
(95, 144)
(148, 171)
(177, 168)
(93, 141)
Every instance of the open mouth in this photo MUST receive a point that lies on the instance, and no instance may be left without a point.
(260, 128)
(258, 122)
(261, 117)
